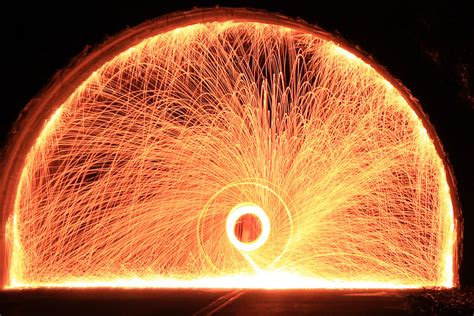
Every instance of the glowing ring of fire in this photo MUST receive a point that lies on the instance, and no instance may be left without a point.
(253, 185)
(233, 217)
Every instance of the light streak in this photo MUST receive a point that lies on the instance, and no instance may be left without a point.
(138, 179)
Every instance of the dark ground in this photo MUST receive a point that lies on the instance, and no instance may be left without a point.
(235, 302)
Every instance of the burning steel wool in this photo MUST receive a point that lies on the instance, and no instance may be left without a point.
(233, 154)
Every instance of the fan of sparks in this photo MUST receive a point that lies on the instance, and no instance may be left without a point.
(155, 170)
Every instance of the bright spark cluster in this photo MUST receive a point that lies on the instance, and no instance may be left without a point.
(132, 181)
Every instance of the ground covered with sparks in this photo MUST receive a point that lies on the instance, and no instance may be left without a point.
(140, 177)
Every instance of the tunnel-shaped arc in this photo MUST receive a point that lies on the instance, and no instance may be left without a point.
(134, 168)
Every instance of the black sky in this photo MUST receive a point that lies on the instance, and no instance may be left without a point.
(429, 48)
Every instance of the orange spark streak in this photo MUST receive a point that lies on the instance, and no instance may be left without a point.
(133, 180)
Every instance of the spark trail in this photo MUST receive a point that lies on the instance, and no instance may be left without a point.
(132, 181)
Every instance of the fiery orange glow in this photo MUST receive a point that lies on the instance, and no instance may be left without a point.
(141, 176)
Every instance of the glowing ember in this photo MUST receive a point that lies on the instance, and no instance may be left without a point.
(233, 154)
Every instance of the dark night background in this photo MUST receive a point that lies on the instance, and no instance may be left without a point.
(428, 47)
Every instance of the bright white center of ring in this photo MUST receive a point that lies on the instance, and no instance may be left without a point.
(247, 209)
